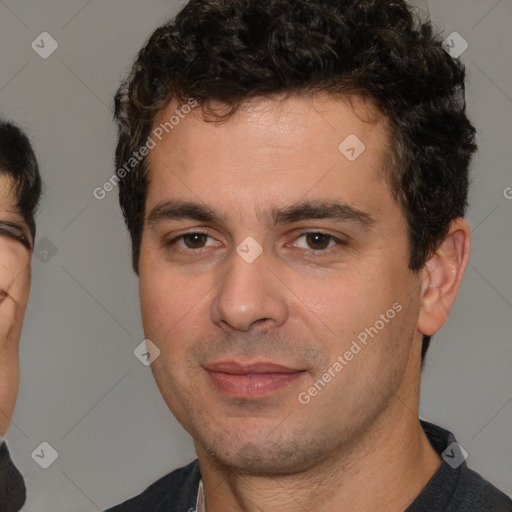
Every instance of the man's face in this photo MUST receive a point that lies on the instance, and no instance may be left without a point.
(14, 292)
(15, 252)
(245, 336)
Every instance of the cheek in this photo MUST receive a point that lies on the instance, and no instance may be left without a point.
(350, 307)
(15, 271)
(347, 301)
(169, 301)
(156, 297)
(160, 306)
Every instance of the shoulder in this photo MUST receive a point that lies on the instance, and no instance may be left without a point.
(455, 486)
(12, 486)
(476, 494)
(178, 490)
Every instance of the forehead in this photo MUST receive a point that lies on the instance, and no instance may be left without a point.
(282, 120)
(271, 148)
(9, 209)
(7, 194)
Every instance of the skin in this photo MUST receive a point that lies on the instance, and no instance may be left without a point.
(14, 292)
(301, 304)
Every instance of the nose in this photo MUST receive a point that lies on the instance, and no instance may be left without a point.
(249, 294)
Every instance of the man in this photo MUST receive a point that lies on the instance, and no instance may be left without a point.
(294, 176)
(20, 189)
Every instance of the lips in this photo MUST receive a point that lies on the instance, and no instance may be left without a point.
(235, 368)
(250, 381)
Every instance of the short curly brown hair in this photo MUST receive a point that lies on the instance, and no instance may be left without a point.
(234, 50)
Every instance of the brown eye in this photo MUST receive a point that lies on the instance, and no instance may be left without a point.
(316, 241)
(195, 240)
(190, 243)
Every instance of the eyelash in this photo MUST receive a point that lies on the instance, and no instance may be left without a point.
(172, 243)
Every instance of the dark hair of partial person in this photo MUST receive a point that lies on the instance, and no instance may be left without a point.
(230, 51)
(18, 161)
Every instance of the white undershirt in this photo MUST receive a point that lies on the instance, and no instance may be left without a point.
(200, 498)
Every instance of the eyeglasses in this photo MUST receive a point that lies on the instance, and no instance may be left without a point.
(14, 231)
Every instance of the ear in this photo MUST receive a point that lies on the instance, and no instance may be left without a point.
(441, 277)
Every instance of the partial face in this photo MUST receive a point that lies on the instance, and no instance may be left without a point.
(14, 291)
(15, 249)
(274, 280)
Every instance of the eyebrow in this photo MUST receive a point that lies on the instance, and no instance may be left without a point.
(14, 231)
(304, 210)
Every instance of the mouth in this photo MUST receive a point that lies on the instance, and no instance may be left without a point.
(251, 381)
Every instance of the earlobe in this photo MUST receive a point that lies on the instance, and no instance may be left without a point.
(442, 276)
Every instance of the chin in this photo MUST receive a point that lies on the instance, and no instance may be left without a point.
(267, 455)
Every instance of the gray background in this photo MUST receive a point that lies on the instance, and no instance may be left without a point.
(82, 390)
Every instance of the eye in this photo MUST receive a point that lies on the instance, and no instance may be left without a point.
(311, 240)
(191, 241)
(318, 241)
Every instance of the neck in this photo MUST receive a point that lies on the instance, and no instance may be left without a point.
(387, 470)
